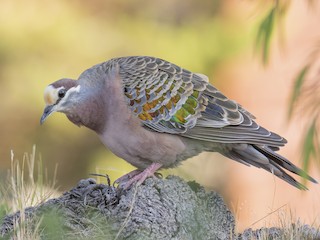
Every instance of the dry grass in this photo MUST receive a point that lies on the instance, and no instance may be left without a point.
(286, 226)
(27, 185)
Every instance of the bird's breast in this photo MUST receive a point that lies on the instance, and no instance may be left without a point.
(141, 147)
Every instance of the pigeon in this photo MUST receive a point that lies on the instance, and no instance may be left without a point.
(155, 114)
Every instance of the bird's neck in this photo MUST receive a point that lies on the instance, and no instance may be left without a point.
(90, 114)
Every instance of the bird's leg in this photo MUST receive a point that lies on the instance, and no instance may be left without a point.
(138, 176)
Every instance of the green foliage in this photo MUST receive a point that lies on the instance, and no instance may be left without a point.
(305, 101)
(297, 88)
(310, 148)
(268, 26)
(51, 225)
(3, 210)
(301, 94)
(266, 29)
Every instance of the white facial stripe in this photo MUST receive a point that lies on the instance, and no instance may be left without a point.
(70, 91)
(51, 95)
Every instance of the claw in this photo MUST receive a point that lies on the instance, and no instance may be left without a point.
(102, 175)
(158, 175)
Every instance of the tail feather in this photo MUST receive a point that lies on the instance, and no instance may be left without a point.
(265, 158)
(283, 162)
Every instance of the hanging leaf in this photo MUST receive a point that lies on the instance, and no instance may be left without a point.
(296, 91)
(310, 147)
(264, 35)
(267, 27)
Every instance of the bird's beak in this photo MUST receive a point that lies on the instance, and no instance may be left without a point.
(47, 111)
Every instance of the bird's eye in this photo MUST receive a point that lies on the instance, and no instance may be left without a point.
(61, 93)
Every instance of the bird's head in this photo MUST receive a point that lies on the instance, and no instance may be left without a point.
(60, 96)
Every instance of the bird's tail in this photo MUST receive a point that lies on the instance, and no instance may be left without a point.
(265, 157)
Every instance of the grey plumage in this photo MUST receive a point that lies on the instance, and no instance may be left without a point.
(155, 114)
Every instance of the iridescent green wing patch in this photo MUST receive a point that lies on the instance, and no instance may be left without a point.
(164, 96)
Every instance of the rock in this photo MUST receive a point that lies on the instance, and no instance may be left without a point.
(159, 209)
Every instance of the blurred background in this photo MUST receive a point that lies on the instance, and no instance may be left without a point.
(42, 41)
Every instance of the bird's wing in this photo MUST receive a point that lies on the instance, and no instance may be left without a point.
(164, 96)
(170, 99)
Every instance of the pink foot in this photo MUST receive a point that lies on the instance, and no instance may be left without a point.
(137, 176)
(125, 178)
